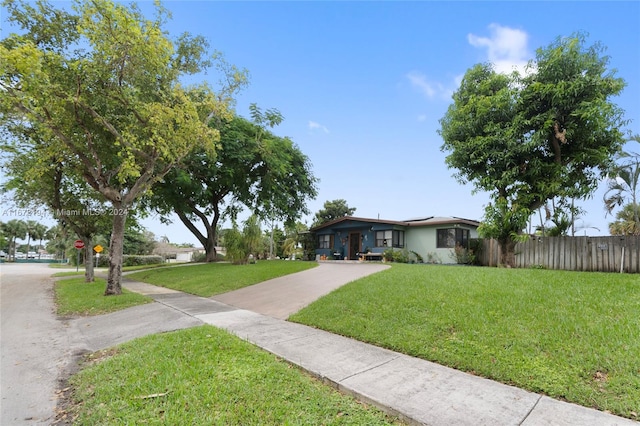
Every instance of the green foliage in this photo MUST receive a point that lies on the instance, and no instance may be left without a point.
(252, 235)
(204, 375)
(101, 87)
(626, 223)
(13, 230)
(463, 255)
(569, 335)
(332, 210)
(253, 167)
(624, 186)
(502, 221)
(234, 245)
(201, 257)
(400, 256)
(527, 139)
(135, 260)
(138, 241)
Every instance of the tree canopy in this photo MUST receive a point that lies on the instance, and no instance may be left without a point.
(332, 210)
(253, 168)
(527, 139)
(101, 83)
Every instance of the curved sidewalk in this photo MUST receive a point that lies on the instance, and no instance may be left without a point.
(418, 391)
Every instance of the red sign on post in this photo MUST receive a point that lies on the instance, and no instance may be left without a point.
(78, 244)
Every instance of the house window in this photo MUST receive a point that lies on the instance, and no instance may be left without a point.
(325, 241)
(390, 238)
(449, 238)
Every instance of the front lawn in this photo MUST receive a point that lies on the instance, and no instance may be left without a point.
(215, 278)
(106, 270)
(75, 297)
(205, 376)
(570, 335)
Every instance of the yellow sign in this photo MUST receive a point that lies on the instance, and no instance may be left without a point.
(98, 248)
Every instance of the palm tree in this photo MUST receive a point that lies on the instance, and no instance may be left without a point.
(14, 229)
(624, 183)
(627, 223)
(38, 233)
(32, 232)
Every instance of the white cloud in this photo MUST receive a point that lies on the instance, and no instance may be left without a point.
(313, 126)
(428, 88)
(506, 48)
(420, 82)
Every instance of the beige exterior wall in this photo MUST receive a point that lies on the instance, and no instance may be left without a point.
(423, 240)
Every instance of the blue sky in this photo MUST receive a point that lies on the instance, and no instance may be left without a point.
(362, 85)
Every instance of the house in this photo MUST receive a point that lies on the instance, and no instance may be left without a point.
(433, 238)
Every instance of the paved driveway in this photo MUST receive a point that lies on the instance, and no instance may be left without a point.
(281, 297)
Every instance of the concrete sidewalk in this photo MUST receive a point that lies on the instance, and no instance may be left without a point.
(418, 391)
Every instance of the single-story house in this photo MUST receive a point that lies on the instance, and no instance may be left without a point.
(433, 238)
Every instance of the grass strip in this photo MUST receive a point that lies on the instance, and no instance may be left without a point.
(207, 280)
(74, 297)
(124, 269)
(205, 376)
(570, 335)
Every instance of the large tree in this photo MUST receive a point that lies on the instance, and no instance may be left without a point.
(253, 167)
(102, 83)
(332, 210)
(59, 189)
(528, 138)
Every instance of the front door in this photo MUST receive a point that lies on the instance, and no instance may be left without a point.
(354, 245)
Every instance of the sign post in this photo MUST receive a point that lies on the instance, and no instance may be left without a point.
(79, 245)
(98, 249)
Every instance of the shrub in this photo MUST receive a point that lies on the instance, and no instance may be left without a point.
(464, 256)
(201, 257)
(398, 256)
(136, 260)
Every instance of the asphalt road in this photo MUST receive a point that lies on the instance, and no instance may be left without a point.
(34, 345)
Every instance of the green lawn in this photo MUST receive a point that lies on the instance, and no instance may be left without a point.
(216, 278)
(106, 270)
(205, 376)
(570, 335)
(75, 297)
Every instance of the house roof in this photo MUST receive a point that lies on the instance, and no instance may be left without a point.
(435, 220)
(354, 219)
(422, 221)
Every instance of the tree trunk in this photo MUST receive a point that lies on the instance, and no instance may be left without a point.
(210, 249)
(88, 259)
(116, 246)
(208, 241)
(508, 255)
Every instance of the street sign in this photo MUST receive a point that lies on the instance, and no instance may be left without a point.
(78, 244)
(98, 248)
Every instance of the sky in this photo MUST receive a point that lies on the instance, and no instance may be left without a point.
(362, 87)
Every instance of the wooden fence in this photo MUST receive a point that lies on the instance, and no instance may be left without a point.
(603, 254)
